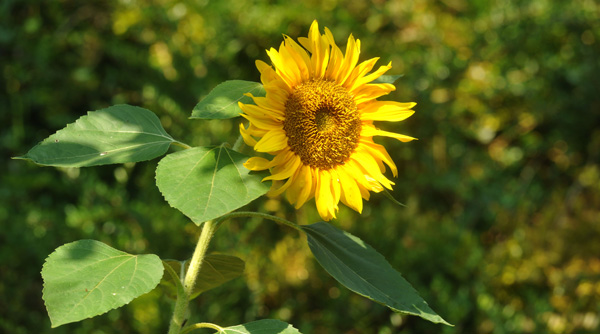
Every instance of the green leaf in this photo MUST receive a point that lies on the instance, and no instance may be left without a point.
(222, 102)
(117, 134)
(363, 270)
(216, 270)
(86, 278)
(266, 326)
(172, 281)
(388, 78)
(207, 182)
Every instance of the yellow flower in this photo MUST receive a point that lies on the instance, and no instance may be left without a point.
(317, 121)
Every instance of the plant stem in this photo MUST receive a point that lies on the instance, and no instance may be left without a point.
(181, 305)
(208, 230)
(180, 144)
(190, 328)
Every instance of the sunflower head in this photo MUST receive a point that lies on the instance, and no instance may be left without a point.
(316, 120)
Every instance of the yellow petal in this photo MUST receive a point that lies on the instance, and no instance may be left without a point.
(273, 106)
(336, 188)
(389, 111)
(256, 132)
(261, 122)
(362, 176)
(271, 80)
(323, 196)
(376, 186)
(297, 187)
(280, 67)
(305, 42)
(286, 170)
(279, 159)
(381, 154)
(356, 173)
(272, 141)
(276, 191)
(369, 92)
(291, 65)
(336, 58)
(319, 49)
(246, 136)
(369, 131)
(368, 78)
(292, 192)
(364, 182)
(267, 73)
(257, 163)
(366, 195)
(350, 195)
(308, 189)
(272, 116)
(278, 91)
(300, 56)
(350, 59)
(370, 168)
(359, 72)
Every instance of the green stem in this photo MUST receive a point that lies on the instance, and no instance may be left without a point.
(180, 144)
(208, 230)
(190, 328)
(181, 305)
(238, 214)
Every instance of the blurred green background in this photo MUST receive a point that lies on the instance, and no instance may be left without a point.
(501, 233)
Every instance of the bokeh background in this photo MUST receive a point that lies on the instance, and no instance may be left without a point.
(501, 233)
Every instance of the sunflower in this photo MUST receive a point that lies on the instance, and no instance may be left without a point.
(316, 120)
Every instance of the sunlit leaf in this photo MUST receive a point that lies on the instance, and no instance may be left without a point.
(266, 326)
(216, 269)
(222, 101)
(117, 134)
(208, 182)
(363, 270)
(87, 278)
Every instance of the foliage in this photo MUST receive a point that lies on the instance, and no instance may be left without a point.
(361, 269)
(214, 176)
(86, 278)
(117, 134)
(502, 188)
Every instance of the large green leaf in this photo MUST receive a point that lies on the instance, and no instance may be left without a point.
(266, 326)
(222, 102)
(86, 278)
(363, 270)
(207, 182)
(216, 269)
(117, 134)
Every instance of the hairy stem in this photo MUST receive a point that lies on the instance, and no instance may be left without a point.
(190, 328)
(181, 305)
(180, 144)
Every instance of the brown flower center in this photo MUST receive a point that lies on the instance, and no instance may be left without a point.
(322, 123)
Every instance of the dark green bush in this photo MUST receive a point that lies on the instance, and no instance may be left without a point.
(503, 187)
